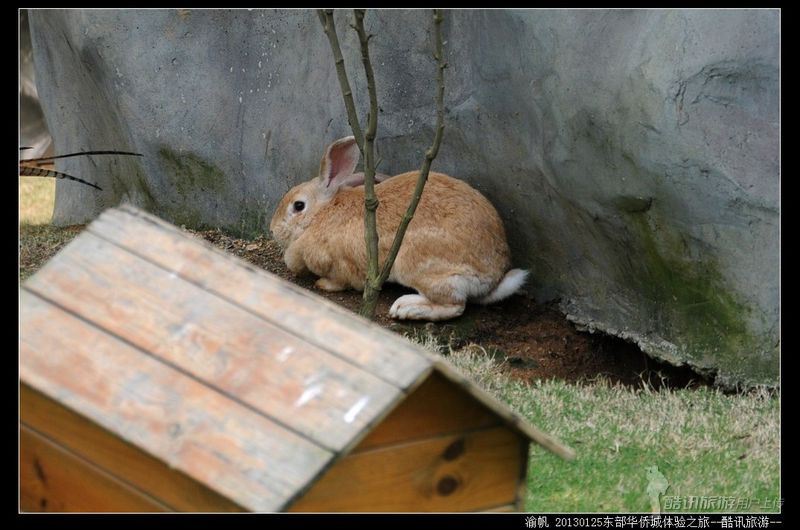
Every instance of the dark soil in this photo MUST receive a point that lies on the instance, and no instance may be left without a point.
(535, 340)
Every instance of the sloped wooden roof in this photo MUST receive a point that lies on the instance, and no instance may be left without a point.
(226, 372)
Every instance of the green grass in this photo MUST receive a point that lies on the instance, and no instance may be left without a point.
(704, 442)
(38, 239)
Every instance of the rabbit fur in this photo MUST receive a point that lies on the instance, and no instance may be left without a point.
(454, 250)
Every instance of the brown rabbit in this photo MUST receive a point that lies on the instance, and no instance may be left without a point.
(454, 250)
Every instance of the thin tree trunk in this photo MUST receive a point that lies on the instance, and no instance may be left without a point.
(430, 154)
(372, 285)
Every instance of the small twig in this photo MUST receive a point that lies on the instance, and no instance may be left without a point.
(326, 18)
(429, 155)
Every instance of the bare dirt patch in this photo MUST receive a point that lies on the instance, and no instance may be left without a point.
(535, 340)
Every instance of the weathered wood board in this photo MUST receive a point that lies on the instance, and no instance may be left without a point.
(317, 320)
(213, 340)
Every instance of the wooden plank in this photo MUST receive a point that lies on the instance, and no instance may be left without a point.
(297, 310)
(215, 440)
(298, 384)
(436, 407)
(53, 479)
(465, 472)
(91, 442)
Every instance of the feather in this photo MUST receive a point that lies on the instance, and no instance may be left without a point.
(28, 171)
(80, 154)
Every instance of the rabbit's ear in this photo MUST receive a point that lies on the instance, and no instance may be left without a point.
(338, 164)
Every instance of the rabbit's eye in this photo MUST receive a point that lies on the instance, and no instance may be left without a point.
(299, 206)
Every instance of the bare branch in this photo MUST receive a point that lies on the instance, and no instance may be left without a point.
(328, 24)
(430, 154)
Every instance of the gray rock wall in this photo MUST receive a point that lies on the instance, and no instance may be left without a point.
(633, 154)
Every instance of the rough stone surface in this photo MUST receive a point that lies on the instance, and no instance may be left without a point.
(633, 154)
(33, 129)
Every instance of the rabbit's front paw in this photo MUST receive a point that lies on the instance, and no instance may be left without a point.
(325, 284)
(417, 307)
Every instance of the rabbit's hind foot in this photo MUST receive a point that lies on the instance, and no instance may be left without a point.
(417, 307)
